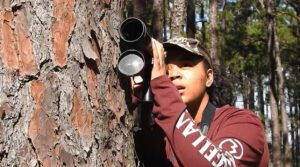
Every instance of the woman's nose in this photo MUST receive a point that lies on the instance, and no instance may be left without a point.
(173, 72)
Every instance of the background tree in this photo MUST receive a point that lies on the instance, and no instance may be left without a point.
(60, 101)
(273, 51)
(178, 18)
(203, 25)
(240, 42)
(139, 9)
(157, 19)
(213, 33)
(191, 19)
(292, 81)
(277, 85)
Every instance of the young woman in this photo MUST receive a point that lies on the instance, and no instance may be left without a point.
(195, 129)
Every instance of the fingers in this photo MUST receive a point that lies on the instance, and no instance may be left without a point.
(159, 67)
(158, 53)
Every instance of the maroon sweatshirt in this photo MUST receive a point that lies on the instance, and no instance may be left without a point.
(235, 138)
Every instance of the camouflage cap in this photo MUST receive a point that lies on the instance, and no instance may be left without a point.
(188, 44)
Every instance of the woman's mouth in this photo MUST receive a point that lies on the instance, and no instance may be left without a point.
(180, 88)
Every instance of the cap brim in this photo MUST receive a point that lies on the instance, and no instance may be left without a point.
(168, 46)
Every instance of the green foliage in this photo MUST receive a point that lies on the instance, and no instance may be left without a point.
(245, 37)
(243, 41)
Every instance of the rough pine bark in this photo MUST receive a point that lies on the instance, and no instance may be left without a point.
(60, 99)
(191, 19)
(276, 154)
(222, 43)
(203, 29)
(139, 9)
(165, 16)
(213, 32)
(178, 18)
(158, 19)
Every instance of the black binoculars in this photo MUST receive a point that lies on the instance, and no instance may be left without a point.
(136, 48)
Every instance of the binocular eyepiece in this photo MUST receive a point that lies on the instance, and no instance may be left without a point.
(133, 30)
(136, 60)
(135, 46)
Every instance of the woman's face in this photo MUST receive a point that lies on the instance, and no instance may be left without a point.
(189, 74)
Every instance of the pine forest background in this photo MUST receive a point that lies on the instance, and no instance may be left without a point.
(62, 102)
(255, 44)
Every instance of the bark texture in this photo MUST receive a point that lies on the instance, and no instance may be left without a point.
(213, 30)
(157, 19)
(191, 19)
(178, 18)
(139, 9)
(203, 29)
(60, 99)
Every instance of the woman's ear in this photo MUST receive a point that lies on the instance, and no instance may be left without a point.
(210, 77)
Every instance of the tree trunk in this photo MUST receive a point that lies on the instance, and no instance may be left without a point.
(293, 129)
(245, 91)
(276, 154)
(203, 28)
(157, 19)
(296, 106)
(213, 34)
(165, 22)
(191, 22)
(178, 18)
(276, 158)
(261, 100)
(248, 93)
(282, 104)
(278, 79)
(139, 9)
(297, 111)
(222, 44)
(273, 86)
(60, 101)
(251, 94)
